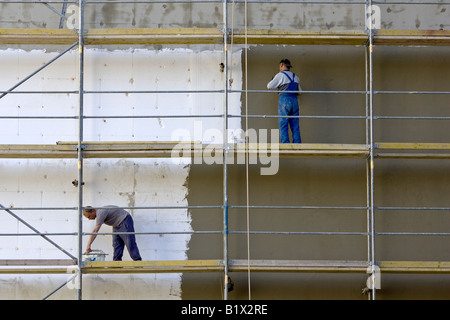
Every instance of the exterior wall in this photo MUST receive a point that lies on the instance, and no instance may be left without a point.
(335, 181)
(123, 182)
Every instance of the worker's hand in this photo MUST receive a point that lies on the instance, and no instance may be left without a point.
(88, 249)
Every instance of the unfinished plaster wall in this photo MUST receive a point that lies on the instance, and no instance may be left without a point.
(123, 182)
(271, 15)
(335, 182)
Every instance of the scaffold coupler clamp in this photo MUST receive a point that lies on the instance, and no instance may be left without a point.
(374, 280)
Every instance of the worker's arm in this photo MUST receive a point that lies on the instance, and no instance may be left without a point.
(92, 238)
(299, 87)
(276, 81)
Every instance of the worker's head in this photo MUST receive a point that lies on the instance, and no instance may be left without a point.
(285, 64)
(90, 213)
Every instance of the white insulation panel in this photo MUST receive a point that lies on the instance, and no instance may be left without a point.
(36, 183)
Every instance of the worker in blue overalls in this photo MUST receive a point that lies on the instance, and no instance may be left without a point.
(288, 109)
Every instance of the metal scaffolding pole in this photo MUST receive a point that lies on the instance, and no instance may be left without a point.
(368, 180)
(80, 139)
(370, 160)
(225, 150)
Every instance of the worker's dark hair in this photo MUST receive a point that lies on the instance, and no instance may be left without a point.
(287, 63)
(88, 209)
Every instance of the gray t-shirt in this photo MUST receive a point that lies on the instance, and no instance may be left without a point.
(110, 215)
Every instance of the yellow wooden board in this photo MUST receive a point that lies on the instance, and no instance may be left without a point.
(215, 36)
(184, 266)
(163, 149)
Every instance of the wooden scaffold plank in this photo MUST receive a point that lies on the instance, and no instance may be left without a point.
(411, 150)
(38, 36)
(139, 36)
(153, 36)
(322, 37)
(198, 266)
(412, 37)
(428, 267)
(171, 266)
(166, 149)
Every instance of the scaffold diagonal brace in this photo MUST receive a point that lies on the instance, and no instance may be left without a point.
(37, 231)
(38, 70)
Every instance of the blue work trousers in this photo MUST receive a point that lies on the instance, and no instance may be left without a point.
(128, 240)
(288, 106)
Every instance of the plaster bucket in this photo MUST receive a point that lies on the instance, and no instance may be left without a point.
(94, 255)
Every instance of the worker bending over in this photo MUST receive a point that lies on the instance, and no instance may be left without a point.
(121, 221)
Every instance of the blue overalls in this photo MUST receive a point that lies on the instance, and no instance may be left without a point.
(288, 106)
(128, 240)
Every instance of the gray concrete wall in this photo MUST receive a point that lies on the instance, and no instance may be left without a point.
(260, 16)
(335, 181)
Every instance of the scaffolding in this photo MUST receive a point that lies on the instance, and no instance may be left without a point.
(370, 151)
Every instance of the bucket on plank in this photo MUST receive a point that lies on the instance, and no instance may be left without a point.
(94, 255)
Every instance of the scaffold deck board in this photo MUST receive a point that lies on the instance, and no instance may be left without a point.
(36, 266)
(113, 36)
(189, 266)
(325, 266)
(36, 262)
(142, 36)
(415, 266)
(175, 149)
(410, 150)
(173, 266)
(412, 37)
(322, 37)
(38, 36)
(217, 265)
(154, 36)
(413, 146)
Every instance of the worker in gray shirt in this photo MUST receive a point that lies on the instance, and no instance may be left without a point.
(121, 221)
(288, 85)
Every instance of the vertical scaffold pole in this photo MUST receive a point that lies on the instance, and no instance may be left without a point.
(370, 140)
(225, 149)
(80, 141)
(368, 161)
